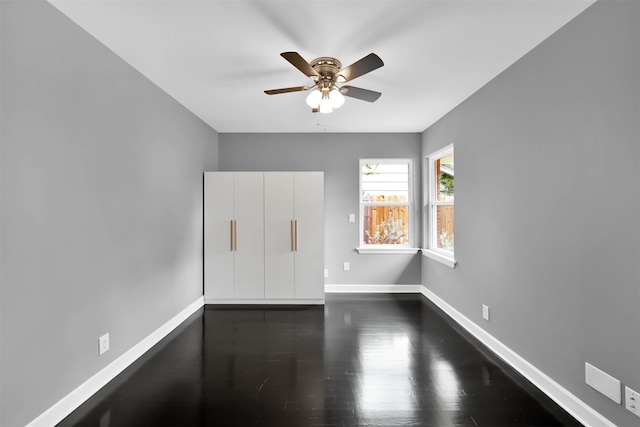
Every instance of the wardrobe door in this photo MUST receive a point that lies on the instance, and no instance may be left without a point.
(249, 235)
(309, 217)
(279, 235)
(218, 228)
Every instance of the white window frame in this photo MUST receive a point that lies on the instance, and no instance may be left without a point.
(431, 248)
(406, 248)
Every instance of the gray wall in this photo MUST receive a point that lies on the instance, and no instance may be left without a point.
(338, 156)
(101, 181)
(547, 204)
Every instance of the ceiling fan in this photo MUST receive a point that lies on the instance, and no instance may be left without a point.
(326, 73)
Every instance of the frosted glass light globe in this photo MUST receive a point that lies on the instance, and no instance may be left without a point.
(325, 106)
(313, 100)
(337, 99)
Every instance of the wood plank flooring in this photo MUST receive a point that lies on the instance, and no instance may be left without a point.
(362, 360)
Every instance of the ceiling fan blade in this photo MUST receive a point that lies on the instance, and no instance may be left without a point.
(300, 63)
(363, 66)
(286, 90)
(363, 94)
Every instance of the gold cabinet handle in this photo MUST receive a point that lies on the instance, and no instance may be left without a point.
(235, 234)
(293, 248)
(231, 235)
(296, 233)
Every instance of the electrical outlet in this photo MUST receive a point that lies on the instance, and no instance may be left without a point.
(346, 266)
(485, 312)
(326, 272)
(632, 401)
(103, 344)
(352, 217)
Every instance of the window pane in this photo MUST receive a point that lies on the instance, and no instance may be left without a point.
(445, 226)
(386, 225)
(385, 168)
(444, 178)
(385, 182)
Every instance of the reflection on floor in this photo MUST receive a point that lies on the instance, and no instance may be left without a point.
(362, 360)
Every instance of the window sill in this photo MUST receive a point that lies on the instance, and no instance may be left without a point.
(394, 251)
(448, 261)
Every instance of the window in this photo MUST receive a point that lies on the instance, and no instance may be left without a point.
(386, 205)
(440, 204)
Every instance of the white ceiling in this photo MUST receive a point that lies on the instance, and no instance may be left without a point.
(216, 57)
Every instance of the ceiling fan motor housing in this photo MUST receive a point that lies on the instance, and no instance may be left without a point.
(327, 69)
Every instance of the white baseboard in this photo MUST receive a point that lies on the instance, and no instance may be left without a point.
(319, 301)
(73, 400)
(567, 400)
(374, 289)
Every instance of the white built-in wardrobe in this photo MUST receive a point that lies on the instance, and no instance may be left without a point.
(264, 237)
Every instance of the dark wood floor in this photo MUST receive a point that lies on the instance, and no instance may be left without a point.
(362, 360)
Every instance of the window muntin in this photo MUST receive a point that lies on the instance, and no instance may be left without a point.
(441, 201)
(385, 202)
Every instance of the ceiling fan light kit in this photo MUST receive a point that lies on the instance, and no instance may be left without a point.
(326, 73)
(325, 100)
